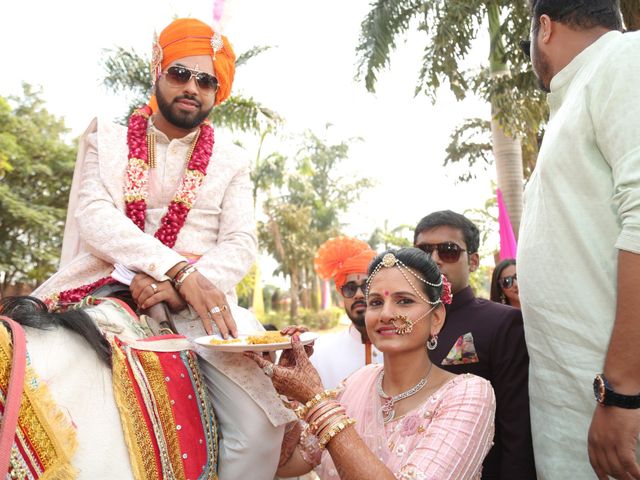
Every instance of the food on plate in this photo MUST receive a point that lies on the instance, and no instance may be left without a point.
(215, 341)
(266, 337)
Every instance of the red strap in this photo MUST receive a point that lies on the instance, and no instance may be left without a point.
(367, 353)
(14, 392)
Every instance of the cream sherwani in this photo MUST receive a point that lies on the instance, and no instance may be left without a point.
(220, 230)
(582, 205)
(338, 355)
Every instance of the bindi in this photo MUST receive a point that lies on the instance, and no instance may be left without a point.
(386, 293)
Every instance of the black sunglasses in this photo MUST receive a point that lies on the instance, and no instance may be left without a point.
(180, 75)
(525, 46)
(448, 252)
(349, 289)
(507, 282)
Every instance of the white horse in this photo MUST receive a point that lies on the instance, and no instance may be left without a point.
(75, 367)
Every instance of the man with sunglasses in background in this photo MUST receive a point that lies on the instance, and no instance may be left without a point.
(338, 355)
(483, 338)
(165, 200)
(579, 246)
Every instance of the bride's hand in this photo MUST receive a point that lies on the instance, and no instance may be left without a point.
(297, 379)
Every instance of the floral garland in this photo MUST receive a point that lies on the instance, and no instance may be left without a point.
(136, 193)
(446, 296)
(137, 178)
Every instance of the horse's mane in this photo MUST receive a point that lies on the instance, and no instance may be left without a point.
(32, 312)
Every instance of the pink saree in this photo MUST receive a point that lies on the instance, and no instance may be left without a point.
(447, 437)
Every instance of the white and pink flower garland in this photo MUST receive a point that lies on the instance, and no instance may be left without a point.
(137, 178)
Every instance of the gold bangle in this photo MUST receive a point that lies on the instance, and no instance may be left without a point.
(334, 430)
(330, 423)
(327, 394)
(317, 425)
(182, 276)
(180, 272)
(320, 409)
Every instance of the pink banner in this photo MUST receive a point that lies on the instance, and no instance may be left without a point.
(508, 244)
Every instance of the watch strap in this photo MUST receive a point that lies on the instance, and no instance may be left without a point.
(618, 400)
(606, 396)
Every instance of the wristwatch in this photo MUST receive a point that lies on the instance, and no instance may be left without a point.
(606, 396)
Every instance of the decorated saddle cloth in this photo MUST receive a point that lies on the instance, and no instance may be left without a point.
(45, 440)
(168, 423)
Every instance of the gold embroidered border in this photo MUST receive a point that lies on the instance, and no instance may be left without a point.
(209, 421)
(52, 438)
(141, 451)
(153, 371)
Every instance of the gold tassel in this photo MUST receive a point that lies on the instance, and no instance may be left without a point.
(54, 437)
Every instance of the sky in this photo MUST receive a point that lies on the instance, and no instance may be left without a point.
(308, 78)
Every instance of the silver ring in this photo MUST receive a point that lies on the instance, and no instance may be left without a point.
(215, 309)
(154, 287)
(268, 370)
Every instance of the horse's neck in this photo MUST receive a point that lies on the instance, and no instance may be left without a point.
(80, 384)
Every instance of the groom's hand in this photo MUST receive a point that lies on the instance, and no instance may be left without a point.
(147, 292)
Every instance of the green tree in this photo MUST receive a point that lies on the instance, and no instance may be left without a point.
(38, 166)
(128, 73)
(385, 237)
(506, 81)
(307, 213)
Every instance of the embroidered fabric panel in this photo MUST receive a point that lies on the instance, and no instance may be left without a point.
(45, 441)
(172, 401)
(136, 424)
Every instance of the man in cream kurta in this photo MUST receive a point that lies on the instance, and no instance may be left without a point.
(218, 237)
(579, 240)
(338, 355)
(345, 260)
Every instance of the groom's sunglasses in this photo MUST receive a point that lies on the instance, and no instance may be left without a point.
(178, 75)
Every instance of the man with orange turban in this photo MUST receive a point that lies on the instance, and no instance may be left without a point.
(337, 355)
(164, 207)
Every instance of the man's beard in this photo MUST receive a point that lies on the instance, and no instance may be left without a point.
(542, 68)
(357, 318)
(184, 120)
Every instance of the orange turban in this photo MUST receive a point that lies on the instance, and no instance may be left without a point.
(185, 37)
(341, 256)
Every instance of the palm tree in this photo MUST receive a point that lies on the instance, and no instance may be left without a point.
(507, 83)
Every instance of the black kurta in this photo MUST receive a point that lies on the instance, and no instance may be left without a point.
(498, 337)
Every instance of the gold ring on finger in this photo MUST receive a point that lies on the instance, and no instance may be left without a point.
(224, 308)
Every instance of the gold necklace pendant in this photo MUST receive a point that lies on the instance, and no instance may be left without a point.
(151, 149)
